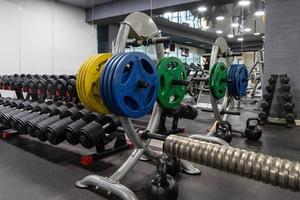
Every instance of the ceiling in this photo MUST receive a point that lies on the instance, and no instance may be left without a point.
(85, 3)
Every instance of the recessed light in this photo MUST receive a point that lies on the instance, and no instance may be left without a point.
(202, 9)
(244, 3)
(259, 13)
(202, 45)
(240, 39)
(247, 29)
(219, 31)
(256, 33)
(220, 18)
(188, 42)
(230, 36)
(263, 37)
(235, 25)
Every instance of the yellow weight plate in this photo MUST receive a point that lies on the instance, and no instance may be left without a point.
(91, 89)
(80, 82)
(83, 81)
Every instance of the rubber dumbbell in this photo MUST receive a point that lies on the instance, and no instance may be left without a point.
(290, 117)
(41, 127)
(286, 87)
(272, 80)
(263, 115)
(264, 104)
(72, 130)
(289, 106)
(92, 134)
(287, 96)
(267, 97)
(284, 80)
(269, 88)
(55, 132)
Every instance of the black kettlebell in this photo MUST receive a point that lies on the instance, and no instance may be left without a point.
(223, 131)
(163, 186)
(173, 165)
(253, 131)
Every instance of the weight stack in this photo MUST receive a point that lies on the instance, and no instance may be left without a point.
(287, 99)
(268, 99)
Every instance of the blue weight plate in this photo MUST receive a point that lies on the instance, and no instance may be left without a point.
(234, 83)
(230, 72)
(232, 77)
(133, 101)
(103, 83)
(243, 83)
(237, 80)
(105, 93)
(110, 79)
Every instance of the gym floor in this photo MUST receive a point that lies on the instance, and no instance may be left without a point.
(31, 170)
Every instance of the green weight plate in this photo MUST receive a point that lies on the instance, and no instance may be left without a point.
(170, 95)
(218, 80)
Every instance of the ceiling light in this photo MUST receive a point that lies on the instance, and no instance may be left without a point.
(202, 9)
(220, 18)
(188, 42)
(259, 13)
(240, 39)
(256, 33)
(247, 29)
(230, 36)
(263, 37)
(244, 3)
(219, 31)
(235, 25)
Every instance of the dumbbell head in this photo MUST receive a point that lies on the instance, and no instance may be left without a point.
(40, 128)
(290, 117)
(55, 132)
(287, 96)
(61, 109)
(263, 115)
(30, 124)
(91, 134)
(269, 88)
(80, 114)
(71, 111)
(92, 116)
(72, 129)
(286, 87)
(21, 122)
(289, 106)
(14, 118)
(265, 105)
(267, 96)
(110, 123)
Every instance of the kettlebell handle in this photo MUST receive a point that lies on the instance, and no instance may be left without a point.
(253, 119)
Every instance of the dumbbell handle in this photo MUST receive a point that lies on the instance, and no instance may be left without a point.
(180, 82)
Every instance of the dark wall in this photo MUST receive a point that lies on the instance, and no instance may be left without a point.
(282, 46)
(102, 36)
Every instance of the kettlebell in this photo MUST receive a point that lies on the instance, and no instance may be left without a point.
(223, 131)
(253, 131)
(163, 186)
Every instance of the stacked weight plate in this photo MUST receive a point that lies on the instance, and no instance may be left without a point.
(87, 83)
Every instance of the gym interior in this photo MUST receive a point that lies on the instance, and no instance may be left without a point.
(149, 99)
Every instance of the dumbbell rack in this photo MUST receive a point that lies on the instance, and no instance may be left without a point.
(285, 100)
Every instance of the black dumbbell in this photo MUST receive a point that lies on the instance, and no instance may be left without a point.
(55, 132)
(92, 134)
(265, 105)
(290, 117)
(267, 97)
(284, 80)
(287, 96)
(72, 130)
(286, 87)
(263, 115)
(269, 88)
(289, 106)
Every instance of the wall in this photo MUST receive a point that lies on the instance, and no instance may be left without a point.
(282, 45)
(35, 40)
